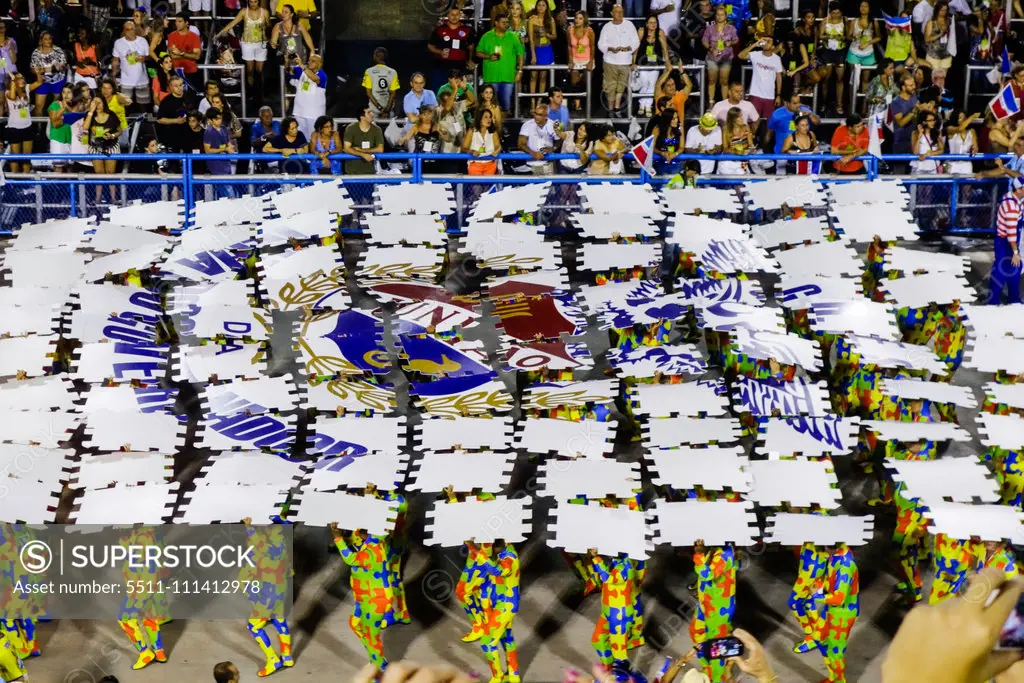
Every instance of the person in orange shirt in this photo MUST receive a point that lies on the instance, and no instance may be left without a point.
(667, 87)
(851, 141)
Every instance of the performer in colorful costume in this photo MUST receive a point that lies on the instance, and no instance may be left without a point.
(716, 600)
(467, 590)
(955, 560)
(611, 634)
(806, 600)
(998, 554)
(22, 607)
(367, 558)
(270, 552)
(142, 613)
(398, 546)
(498, 584)
(842, 606)
(11, 667)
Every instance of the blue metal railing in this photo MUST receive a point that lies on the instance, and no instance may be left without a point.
(188, 181)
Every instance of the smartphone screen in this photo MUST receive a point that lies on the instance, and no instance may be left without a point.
(721, 648)
(1012, 635)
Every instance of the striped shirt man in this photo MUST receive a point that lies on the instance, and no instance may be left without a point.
(1008, 217)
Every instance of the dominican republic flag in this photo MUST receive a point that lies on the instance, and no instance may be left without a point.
(896, 23)
(1004, 64)
(643, 152)
(1005, 104)
(807, 167)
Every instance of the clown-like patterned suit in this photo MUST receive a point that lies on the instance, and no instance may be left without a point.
(716, 601)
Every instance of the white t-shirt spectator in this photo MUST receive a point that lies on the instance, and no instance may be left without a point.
(922, 12)
(762, 78)
(132, 55)
(704, 143)
(310, 97)
(721, 110)
(618, 35)
(667, 21)
(537, 138)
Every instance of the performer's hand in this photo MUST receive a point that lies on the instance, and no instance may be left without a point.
(756, 661)
(698, 545)
(400, 672)
(958, 635)
(1015, 261)
(247, 521)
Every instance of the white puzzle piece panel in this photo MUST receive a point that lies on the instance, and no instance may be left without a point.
(895, 354)
(601, 258)
(355, 395)
(243, 432)
(735, 256)
(601, 226)
(706, 199)
(727, 316)
(585, 438)
(484, 521)
(51, 466)
(958, 480)
(861, 222)
(1011, 395)
(67, 233)
(489, 472)
(863, 317)
(938, 392)
(987, 522)
(24, 320)
(42, 427)
(826, 259)
(592, 478)
(320, 508)
(510, 200)
(464, 433)
(800, 483)
(798, 292)
(109, 237)
(228, 211)
(784, 399)
(693, 234)
(791, 232)
(44, 267)
(1001, 431)
(31, 355)
(230, 504)
(1006, 320)
(715, 468)
(124, 398)
(995, 354)
(139, 258)
(270, 393)
(229, 322)
(549, 395)
(423, 263)
(611, 531)
(212, 362)
(917, 291)
(123, 469)
(897, 430)
(522, 255)
(330, 196)
(425, 198)
(319, 291)
(688, 399)
(408, 229)
(912, 260)
(620, 198)
(40, 393)
(794, 191)
(795, 529)
(151, 504)
(148, 215)
(672, 432)
(121, 363)
(31, 297)
(681, 524)
(534, 283)
(334, 473)
(811, 437)
(447, 399)
(291, 264)
(868, 191)
(29, 503)
(249, 468)
(670, 360)
(357, 434)
(787, 349)
(225, 293)
(309, 225)
(108, 430)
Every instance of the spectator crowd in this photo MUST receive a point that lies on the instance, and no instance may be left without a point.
(586, 78)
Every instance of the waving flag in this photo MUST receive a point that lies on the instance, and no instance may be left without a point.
(643, 152)
(1004, 65)
(1005, 104)
(896, 23)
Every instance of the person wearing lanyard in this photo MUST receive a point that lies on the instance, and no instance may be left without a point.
(1006, 267)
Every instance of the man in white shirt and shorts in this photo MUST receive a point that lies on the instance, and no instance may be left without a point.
(128, 66)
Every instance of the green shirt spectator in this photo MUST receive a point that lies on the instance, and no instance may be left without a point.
(501, 52)
(60, 133)
(363, 139)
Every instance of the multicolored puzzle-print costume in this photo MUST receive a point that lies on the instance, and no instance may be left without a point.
(142, 613)
(716, 602)
(955, 560)
(842, 606)
(22, 608)
(371, 588)
(11, 668)
(271, 571)
(1002, 559)
(806, 600)
(611, 634)
(500, 598)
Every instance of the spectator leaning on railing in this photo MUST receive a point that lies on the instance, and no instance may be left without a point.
(482, 140)
(705, 138)
(325, 142)
(537, 137)
(363, 138)
(618, 43)
(850, 140)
